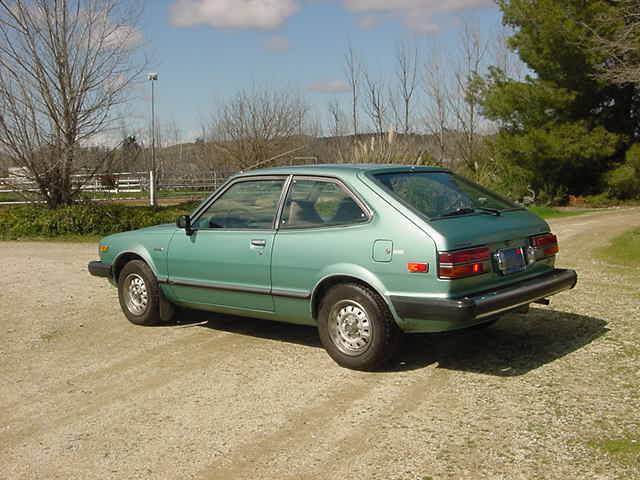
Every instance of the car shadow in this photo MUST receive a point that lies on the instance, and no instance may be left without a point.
(513, 346)
(254, 327)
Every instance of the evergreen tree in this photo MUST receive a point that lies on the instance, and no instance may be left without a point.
(563, 123)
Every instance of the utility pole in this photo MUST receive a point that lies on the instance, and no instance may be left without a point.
(153, 201)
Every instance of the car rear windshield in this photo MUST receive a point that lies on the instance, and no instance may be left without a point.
(442, 194)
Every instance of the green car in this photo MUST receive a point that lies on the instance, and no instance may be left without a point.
(363, 252)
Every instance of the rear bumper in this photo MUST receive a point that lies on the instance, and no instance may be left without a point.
(100, 269)
(472, 309)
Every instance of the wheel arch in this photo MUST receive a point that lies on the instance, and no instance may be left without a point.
(125, 257)
(364, 278)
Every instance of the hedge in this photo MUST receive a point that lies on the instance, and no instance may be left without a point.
(86, 219)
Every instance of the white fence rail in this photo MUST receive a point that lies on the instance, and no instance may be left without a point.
(121, 186)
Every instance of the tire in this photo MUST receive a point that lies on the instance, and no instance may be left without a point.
(139, 293)
(356, 327)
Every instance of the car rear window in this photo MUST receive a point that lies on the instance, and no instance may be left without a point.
(441, 194)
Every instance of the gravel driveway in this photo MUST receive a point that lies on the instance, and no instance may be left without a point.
(86, 395)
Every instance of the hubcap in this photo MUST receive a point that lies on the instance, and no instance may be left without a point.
(350, 328)
(136, 296)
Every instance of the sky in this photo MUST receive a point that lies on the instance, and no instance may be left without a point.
(206, 50)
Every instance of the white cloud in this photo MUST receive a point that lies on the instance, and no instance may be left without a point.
(277, 44)
(272, 14)
(368, 22)
(335, 86)
(124, 36)
(233, 14)
(111, 32)
(434, 5)
(417, 14)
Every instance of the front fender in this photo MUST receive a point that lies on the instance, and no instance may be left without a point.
(150, 246)
(141, 251)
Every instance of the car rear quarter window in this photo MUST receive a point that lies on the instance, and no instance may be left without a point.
(320, 203)
(244, 205)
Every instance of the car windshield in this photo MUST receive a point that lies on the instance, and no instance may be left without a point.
(442, 194)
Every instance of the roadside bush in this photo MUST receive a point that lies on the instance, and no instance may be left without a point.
(507, 180)
(88, 219)
(602, 200)
(624, 181)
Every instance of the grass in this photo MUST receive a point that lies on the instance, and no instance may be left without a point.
(623, 250)
(16, 197)
(625, 450)
(550, 212)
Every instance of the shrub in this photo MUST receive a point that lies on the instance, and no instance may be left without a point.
(600, 200)
(504, 178)
(87, 219)
(624, 181)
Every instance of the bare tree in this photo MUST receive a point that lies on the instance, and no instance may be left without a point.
(353, 70)
(437, 111)
(622, 49)
(339, 146)
(465, 102)
(407, 64)
(395, 113)
(504, 57)
(259, 126)
(205, 155)
(376, 104)
(337, 119)
(65, 65)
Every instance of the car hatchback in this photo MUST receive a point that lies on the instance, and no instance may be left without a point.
(363, 252)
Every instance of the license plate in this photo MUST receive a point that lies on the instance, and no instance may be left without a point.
(511, 260)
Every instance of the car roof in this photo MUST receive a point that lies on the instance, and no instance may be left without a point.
(339, 169)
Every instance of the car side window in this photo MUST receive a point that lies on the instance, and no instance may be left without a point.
(320, 203)
(244, 205)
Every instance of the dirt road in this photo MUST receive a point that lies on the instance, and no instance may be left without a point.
(86, 395)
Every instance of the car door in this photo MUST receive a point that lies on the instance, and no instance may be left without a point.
(322, 223)
(226, 260)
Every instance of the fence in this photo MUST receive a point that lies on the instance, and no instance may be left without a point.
(114, 186)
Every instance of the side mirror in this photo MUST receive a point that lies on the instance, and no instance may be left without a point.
(184, 222)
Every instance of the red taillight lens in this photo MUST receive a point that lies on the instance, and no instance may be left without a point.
(464, 263)
(460, 271)
(545, 245)
(465, 256)
(544, 240)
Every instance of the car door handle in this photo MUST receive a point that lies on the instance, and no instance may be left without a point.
(258, 243)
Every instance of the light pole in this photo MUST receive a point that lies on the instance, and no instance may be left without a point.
(153, 77)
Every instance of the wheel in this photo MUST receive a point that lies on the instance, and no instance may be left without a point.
(139, 293)
(356, 327)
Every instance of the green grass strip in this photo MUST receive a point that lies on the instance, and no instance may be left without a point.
(622, 250)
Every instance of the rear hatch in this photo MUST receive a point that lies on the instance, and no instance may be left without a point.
(504, 233)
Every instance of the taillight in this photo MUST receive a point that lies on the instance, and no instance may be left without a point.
(545, 245)
(464, 263)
